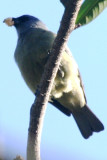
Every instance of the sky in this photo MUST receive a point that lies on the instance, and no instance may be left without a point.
(61, 138)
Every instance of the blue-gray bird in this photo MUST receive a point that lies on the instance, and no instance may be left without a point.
(32, 52)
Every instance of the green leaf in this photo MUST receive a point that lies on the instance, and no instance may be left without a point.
(89, 10)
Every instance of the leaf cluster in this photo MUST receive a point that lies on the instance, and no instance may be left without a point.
(89, 10)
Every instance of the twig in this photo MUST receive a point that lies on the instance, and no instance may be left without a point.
(77, 26)
(38, 108)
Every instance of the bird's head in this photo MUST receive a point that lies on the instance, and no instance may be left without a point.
(24, 23)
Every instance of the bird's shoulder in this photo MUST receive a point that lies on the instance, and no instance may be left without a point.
(38, 34)
(35, 42)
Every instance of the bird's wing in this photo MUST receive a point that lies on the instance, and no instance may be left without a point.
(81, 84)
(59, 106)
(79, 75)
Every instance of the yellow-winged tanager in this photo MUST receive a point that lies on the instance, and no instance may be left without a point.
(31, 54)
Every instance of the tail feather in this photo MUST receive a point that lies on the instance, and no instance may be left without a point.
(87, 122)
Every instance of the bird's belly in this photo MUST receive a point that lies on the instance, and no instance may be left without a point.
(66, 88)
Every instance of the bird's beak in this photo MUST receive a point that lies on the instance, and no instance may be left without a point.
(9, 21)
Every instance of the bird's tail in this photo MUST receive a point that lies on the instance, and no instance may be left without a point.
(87, 122)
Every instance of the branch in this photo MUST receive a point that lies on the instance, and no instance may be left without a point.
(38, 108)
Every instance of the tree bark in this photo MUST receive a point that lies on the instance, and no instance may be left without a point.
(39, 107)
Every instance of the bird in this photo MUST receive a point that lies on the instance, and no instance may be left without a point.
(32, 52)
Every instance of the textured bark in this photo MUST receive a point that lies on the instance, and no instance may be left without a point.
(38, 108)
